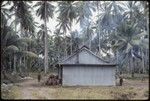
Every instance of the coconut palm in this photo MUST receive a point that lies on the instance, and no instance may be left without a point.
(40, 40)
(45, 11)
(21, 10)
(141, 15)
(23, 15)
(129, 42)
(109, 18)
(58, 43)
(11, 45)
(84, 12)
(88, 33)
(67, 13)
(76, 40)
(146, 13)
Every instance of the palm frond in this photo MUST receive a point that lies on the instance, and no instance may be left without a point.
(11, 48)
(28, 40)
(30, 54)
(128, 48)
(45, 10)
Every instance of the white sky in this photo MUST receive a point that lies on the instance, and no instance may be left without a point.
(52, 22)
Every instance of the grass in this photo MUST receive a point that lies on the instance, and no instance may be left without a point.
(146, 93)
(87, 93)
(136, 76)
(36, 95)
(96, 93)
(16, 92)
(13, 93)
(124, 93)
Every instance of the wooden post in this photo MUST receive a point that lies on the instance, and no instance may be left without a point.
(61, 80)
(121, 81)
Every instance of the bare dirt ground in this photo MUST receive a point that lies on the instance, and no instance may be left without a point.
(31, 89)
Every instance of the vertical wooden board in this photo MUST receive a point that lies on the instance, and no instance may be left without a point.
(109, 73)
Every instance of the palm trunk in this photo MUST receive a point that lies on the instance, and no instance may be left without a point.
(46, 46)
(28, 65)
(143, 62)
(20, 62)
(147, 59)
(132, 68)
(133, 71)
(46, 52)
(25, 60)
(14, 63)
(20, 68)
(117, 60)
(77, 58)
(147, 23)
(78, 53)
(65, 45)
(90, 44)
(147, 50)
(128, 66)
(10, 64)
(25, 48)
(99, 44)
(58, 53)
(71, 41)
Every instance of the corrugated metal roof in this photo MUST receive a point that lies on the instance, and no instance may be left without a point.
(79, 50)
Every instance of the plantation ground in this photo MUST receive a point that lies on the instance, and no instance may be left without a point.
(31, 89)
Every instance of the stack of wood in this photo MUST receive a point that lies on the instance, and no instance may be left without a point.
(53, 80)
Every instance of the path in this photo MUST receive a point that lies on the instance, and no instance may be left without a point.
(31, 89)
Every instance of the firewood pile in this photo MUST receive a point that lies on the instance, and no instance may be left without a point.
(53, 80)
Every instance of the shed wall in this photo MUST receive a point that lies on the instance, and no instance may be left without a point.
(88, 75)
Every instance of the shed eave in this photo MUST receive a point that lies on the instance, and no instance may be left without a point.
(100, 65)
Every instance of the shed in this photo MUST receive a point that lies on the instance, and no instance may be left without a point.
(84, 68)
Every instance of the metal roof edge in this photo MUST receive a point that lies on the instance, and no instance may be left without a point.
(82, 48)
(112, 65)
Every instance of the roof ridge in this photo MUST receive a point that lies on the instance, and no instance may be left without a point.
(84, 47)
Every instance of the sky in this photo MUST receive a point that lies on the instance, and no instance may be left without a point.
(52, 22)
